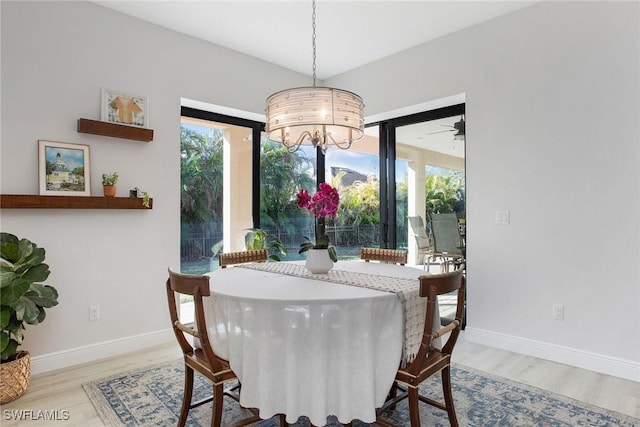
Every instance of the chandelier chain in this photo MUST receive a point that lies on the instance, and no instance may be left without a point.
(313, 40)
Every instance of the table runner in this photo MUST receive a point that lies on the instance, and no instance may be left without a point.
(407, 290)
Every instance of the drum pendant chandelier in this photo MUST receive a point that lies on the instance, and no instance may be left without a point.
(313, 115)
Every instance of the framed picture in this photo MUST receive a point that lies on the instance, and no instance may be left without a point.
(125, 109)
(63, 169)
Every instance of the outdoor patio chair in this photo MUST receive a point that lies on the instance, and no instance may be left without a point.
(424, 247)
(447, 243)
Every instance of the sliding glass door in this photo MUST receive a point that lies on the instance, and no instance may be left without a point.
(235, 179)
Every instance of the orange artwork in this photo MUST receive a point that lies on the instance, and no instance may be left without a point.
(125, 109)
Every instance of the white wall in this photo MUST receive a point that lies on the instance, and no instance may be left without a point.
(56, 57)
(552, 135)
(553, 130)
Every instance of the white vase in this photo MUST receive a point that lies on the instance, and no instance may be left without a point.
(318, 261)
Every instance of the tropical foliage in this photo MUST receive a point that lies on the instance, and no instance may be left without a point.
(201, 176)
(445, 194)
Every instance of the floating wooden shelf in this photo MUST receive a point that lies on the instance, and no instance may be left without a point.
(20, 201)
(97, 127)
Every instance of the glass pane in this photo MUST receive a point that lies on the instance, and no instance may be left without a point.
(433, 152)
(402, 203)
(355, 173)
(215, 159)
(201, 168)
(282, 175)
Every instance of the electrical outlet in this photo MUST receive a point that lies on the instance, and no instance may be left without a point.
(502, 217)
(94, 312)
(558, 311)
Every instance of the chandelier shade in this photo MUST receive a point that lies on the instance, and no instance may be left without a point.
(314, 115)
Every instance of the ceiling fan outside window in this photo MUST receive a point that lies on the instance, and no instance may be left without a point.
(457, 127)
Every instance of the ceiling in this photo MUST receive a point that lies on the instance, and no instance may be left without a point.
(349, 34)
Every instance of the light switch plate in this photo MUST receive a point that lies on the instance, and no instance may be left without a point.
(502, 217)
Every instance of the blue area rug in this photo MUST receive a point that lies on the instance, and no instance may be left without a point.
(152, 397)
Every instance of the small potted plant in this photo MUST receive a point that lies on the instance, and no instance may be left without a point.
(109, 181)
(22, 302)
(138, 193)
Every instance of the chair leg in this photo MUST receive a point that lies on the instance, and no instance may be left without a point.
(448, 396)
(283, 420)
(186, 398)
(218, 397)
(393, 393)
(414, 410)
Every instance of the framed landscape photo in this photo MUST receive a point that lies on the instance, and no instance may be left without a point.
(125, 109)
(63, 169)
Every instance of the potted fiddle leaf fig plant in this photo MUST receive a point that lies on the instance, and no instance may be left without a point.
(109, 181)
(23, 300)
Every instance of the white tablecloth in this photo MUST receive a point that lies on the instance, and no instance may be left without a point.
(308, 347)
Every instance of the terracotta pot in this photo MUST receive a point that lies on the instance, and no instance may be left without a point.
(14, 377)
(109, 190)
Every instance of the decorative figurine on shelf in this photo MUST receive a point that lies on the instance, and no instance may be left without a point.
(109, 184)
(136, 192)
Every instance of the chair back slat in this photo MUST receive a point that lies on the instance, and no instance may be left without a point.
(241, 257)
(394, 256)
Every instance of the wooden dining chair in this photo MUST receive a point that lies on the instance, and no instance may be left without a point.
(241, 257)
(430, 360)
(201, 357)
(392, 256)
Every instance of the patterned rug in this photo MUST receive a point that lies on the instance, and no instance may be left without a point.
(152, 396)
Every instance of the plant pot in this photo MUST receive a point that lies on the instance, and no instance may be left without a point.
(109, 190)
(318, 261)
(14, 377)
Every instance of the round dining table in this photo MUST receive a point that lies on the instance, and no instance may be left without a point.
(302, 346)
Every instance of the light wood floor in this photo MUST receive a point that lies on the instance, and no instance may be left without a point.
(62, 390)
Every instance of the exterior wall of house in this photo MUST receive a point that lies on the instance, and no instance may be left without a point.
(552, 135)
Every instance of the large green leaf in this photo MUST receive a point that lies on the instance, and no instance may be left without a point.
(5, 314)
(12, 293)
(4, 340)
(9, 247)
(27, 311)
(43, 295)
(6, 276)
(27, 257)
(10, 350)
(26, 248)
(38, 273)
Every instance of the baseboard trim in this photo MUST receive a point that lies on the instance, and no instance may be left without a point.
(614, 366)
(75, 356)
